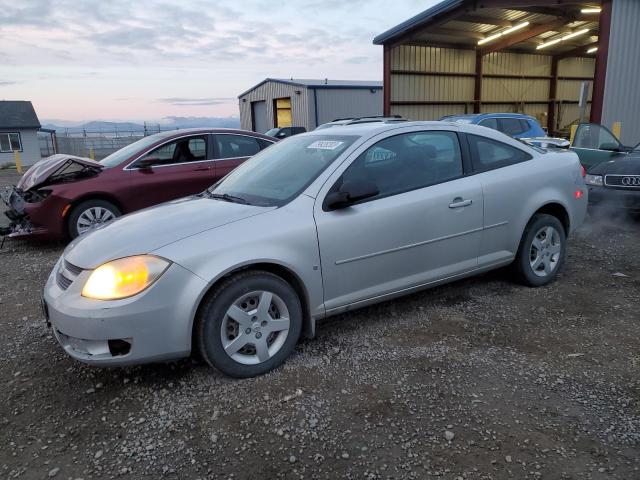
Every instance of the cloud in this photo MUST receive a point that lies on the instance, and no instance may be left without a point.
(190, 102)
(6, 83)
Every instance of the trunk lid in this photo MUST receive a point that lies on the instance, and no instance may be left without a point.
(44, 169)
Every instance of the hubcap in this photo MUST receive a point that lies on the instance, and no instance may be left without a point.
(545, 251)
(92, 217)
(255, 327)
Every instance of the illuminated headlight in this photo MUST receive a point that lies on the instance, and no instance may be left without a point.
(593, 180)
(124, 277)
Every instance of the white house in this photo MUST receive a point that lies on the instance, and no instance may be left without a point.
(19, 127)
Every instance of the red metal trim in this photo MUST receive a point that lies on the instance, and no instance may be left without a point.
(597, 98)
(386, 77)
(477, 87)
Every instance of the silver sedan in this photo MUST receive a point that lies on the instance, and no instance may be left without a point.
(315, 225)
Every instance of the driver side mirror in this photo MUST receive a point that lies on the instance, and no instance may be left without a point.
(147, 163)
(610, 146)
(350, 192)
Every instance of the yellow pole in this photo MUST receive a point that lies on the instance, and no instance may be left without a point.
(16, 154)
(616, 129)
(91, 154)
(573, 133)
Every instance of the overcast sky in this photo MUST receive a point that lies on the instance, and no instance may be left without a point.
(147, 59)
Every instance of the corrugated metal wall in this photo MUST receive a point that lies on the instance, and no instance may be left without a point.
(524, 95)
(621, 92)
(268, 92)
(409, 87)
(342, 103)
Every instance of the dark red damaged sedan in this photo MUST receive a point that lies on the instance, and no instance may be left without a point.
(64, 196)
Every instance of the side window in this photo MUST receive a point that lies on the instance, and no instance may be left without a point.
(512, 126)
(595, 137)
(490, 154)
(182, 150)
(263, 143)
(408, 162)
(232, 146)
(10, 142)
(490, 123)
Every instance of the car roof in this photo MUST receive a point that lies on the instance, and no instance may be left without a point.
(368, 128)
(472, 116)
(191, 131)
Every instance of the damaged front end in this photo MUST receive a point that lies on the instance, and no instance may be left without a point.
(16, 200)
(29, 195)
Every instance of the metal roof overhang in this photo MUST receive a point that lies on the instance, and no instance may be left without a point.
(463, 23)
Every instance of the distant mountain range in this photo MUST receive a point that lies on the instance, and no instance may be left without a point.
(167, 123)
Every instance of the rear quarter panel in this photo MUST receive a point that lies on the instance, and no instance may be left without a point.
(513, 194)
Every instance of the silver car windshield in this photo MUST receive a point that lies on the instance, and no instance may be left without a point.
(281, 172)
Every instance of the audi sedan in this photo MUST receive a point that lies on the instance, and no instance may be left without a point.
(318, 224)
(65, 196)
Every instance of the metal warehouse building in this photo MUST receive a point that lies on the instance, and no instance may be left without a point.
(528, 56)
(306, 103)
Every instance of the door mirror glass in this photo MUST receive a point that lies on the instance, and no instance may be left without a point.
(350, 191)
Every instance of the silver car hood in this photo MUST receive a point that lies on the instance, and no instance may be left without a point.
(147, 230)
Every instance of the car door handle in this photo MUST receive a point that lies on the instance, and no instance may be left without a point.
(201, 169)
(459, 202)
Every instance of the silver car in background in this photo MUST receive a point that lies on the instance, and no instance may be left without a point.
(318, 224)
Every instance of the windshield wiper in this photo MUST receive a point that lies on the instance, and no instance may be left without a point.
(227, 198)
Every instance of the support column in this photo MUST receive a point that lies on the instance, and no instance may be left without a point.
(477, 90)
(597, 98)
(386, 79)
(553, 93)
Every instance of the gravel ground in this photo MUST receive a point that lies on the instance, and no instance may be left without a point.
(480, 379)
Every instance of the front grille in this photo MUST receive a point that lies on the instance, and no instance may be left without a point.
(63, 282)
(66, 274)
(623, 181)
(72, 268)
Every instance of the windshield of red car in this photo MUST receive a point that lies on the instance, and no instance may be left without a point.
(119, 156)
(281, 172)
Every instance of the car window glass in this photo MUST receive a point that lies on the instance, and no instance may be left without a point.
(232, 146)
(594, 136)
(179, 151)
(489, 123)
(489, 154)
(407, 162)
(263, 143)
(511, 126)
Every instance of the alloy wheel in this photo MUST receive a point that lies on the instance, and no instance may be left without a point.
(545, 251)
(92, 217)
(255, 327)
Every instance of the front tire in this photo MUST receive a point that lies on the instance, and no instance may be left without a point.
(542, 251)
(89, 214)
(249, 325)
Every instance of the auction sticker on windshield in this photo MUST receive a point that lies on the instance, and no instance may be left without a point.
(325, 144)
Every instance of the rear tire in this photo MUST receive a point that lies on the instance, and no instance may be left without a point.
(542, 251)
(249, 325)
(80, 219)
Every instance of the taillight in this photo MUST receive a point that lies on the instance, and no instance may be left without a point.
(583, 170)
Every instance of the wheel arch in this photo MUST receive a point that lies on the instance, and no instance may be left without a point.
(557, 210)
(278, 269)
(90, 196)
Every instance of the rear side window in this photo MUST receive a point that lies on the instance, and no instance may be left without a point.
(490, 123)
(490, 154)
(512, 126)
(233, 146)
(407, 162)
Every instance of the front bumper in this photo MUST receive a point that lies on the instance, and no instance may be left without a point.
(41, 219)
(154, 325)
(614, 198)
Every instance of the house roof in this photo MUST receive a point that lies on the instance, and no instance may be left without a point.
(319, 84)
(17, 114)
